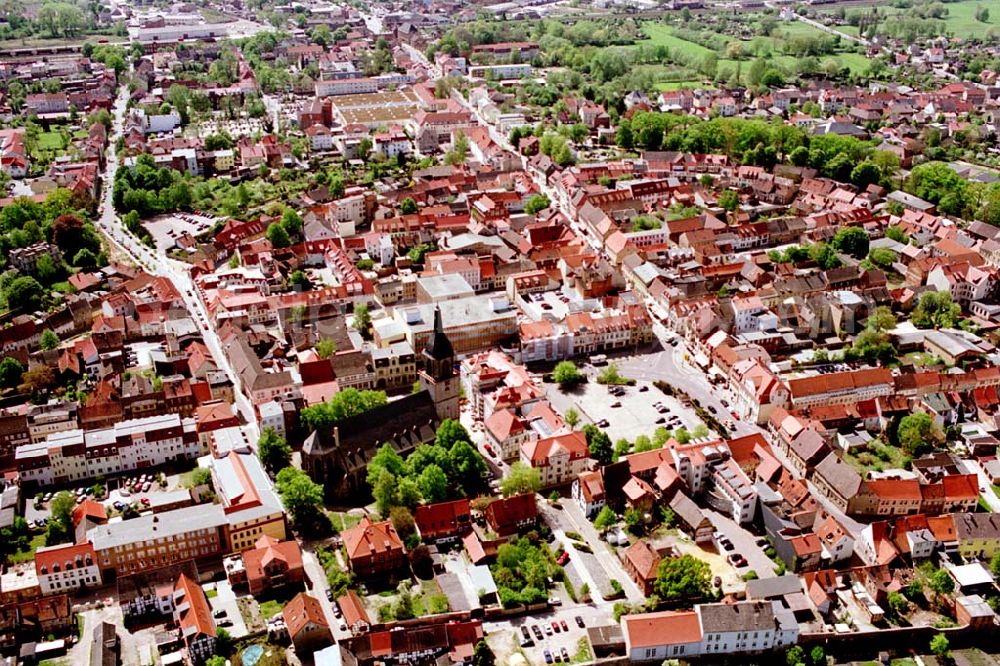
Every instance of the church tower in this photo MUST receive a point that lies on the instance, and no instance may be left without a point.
(438, 376)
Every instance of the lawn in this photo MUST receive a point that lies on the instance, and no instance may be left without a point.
(37, 542)
(889, 457)
(50, 141)
(270, 608)
(342, 520)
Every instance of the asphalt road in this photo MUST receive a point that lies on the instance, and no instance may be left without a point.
(110, 224)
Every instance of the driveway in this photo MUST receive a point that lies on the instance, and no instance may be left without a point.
(597, 569)
(985, 487)
(744, 543)
(225, 600)
(316, 582)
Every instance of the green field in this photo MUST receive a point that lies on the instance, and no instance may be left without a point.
(960, 22)
(679, 85)
(660, 34)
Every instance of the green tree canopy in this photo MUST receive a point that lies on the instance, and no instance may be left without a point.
(520, 479)
(684, 577)
(273, 450)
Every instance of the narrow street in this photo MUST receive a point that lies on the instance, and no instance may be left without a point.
(109, 223)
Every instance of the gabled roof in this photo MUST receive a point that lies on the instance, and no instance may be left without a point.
(301, 611)
(368, 538)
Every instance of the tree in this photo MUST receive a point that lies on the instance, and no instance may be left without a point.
(85, 259)
(605, 519)
(571, 417)
(37, 379)
(599, 444)
(449, 433)
(24, 293)
(852, 241)
(795, 655)
(520, 479)
(897, 234)
(291, 222)
(483, 655)
(344, 404)
(940, 645)
(916, 433)
(274, 451)
(408, 206)
(881, 257)
(362, 319)
(60, 527)
(49, 340)
(817, 655)
(433, 484)
(325, 348)
(467, 467)
(865, 174)
(897, 603)
(536, 204)
(566, 375)
(729, 200)
(684, 577)
(936, 308)
(402, 520)
(301, 496)
(278, 236)
(215, 660)
(11, 372)
(223, 642)
(941, 582)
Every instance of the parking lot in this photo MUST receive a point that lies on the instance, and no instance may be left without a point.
(166, 229)
(504, 635)
(143, 491)
(633, 411)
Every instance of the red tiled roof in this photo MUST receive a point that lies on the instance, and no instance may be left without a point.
(664, 628)
(301, 611)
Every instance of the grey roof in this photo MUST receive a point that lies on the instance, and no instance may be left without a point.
(159, 526)
(773, 588)
(687, 510)
(738, 617)
(839, 475)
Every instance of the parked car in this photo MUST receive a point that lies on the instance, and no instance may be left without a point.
(616, 404)
(548, 630)
(737, 560)
(603, 423)
(329, 595)
(219, 613)
(660, 421)
(643, 388)
(555, 626)
(555, 601)
(537, 631)
(562, 623)
(563, 559)
(579, 621)
(224, 623)
(548, 656)
(565, 654)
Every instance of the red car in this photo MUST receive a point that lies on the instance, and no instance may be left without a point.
(563, 559)
(555, 626)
